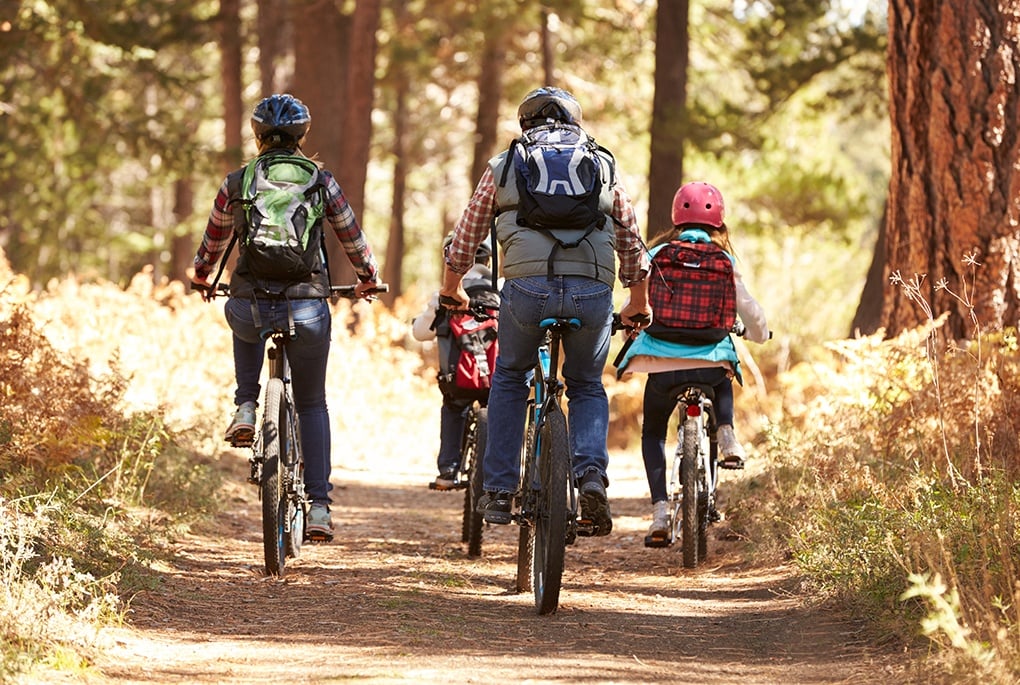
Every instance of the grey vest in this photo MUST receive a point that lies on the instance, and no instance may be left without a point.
(526, 251)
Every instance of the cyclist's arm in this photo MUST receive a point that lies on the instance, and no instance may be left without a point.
(634, 263)
(348, 231)
(471, 230)
(750, 312)
(218, 230)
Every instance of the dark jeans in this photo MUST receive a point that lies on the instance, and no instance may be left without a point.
(452, 417)
(659, 403)
(308, 352)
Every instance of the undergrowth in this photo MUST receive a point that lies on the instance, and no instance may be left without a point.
(89, 491)
(893, 480)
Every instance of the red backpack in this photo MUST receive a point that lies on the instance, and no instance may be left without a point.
(468, 347)
(692, 293)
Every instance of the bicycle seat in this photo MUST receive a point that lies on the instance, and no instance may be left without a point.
(560, 324)
(681, 389)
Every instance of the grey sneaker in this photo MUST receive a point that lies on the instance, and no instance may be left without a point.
(319, 526)
(241, 431)
(730, 450)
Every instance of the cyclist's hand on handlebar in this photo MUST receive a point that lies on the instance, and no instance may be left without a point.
(457, 299)
(635, 318)
(366, 290)
(202, 285)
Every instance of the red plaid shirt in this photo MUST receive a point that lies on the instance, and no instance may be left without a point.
(339, 215)
(474, 225)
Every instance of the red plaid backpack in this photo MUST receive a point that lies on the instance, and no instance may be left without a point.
(692, 293)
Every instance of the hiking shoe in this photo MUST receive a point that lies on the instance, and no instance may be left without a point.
(495, 507)
(241, 431)
(446, 480)
(730, 450)
(660, 521)
(595, 503)
(319, 526)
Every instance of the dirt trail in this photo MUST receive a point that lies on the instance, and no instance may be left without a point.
(395, 598)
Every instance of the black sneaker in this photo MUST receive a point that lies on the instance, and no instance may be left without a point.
(495, 507)
(595, 504)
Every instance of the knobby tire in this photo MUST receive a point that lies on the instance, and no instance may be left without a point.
(472, 519)
(526, 534)
(690, 486)
(274, 500)
(551, 516)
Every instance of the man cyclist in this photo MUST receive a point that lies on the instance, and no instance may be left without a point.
(540, 283)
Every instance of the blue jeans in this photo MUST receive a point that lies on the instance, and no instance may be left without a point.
(659, 403)
(452, 417)
(308, 352)
(524, 303)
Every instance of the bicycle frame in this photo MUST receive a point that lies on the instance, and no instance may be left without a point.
(695, 473)
(547, 496)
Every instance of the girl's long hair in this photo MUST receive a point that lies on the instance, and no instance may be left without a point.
(720, 236)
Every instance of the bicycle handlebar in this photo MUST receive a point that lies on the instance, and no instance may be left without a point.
(348, 291)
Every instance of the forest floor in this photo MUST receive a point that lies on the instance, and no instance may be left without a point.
(395, 598)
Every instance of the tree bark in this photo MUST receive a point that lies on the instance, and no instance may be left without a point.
(490, 94)
(668, 113)
(230, 49)
(273, 37)
(320, 65)
(954, 192)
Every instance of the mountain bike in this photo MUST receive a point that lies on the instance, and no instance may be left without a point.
(547, 500)
(472, 449)
(277, 463)
(694, 475)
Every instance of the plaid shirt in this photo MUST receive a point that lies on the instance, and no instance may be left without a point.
(339, 215)
(474, 225)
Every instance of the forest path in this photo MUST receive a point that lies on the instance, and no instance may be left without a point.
(396, 599)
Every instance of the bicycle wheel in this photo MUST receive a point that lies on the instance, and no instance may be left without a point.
(551, 515)
(690, 487)
(274, 500)
(472, 519)
(295, 486)
(526, 535)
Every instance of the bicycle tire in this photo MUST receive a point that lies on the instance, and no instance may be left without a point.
(690, 486)
(551, 517)
(274, 504)
(472, 518)
(295, 487)
(526, 535)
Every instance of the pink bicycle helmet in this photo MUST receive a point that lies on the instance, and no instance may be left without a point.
(698, 203)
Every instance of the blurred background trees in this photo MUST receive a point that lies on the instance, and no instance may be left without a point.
(120, 119)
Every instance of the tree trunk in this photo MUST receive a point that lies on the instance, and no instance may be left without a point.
(230, 49)
(668, 113)
(182, 245)
(490, 93)
(954, 192)
(273, 37)
(868, 317)
(320, 63)
(395, 243)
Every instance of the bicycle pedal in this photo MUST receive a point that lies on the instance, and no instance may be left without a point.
(657, 541)
(318, 537)
(586, 529)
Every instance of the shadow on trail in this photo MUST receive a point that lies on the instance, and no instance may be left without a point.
(397, 580)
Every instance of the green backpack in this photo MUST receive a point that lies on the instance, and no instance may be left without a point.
(284, 202)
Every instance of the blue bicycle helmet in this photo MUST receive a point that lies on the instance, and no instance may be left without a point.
(280, 114)
(547, 104)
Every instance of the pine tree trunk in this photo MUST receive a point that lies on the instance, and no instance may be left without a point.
(955, 183)
(668, 113)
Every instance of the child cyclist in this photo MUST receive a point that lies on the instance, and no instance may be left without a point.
(429, 325)
(697, 218)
